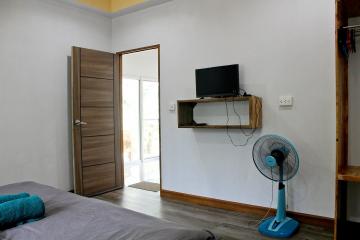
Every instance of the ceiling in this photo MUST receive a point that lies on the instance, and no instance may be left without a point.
(110, 6)
(114, 8)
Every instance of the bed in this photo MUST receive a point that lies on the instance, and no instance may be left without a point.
(69, 216)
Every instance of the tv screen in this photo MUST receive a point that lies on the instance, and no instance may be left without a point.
(217, 81)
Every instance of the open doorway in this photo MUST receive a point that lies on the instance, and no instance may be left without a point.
(141, 119)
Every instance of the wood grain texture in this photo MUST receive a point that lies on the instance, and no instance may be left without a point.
(342, 115)
(100, 121)
(342, 105)
(350, 174)
(97, 64)
(219, 99)
(186, 112)
(96, 145)
(97, 92)
(245, 208)
(98, 178)
(76, 114)
(119, 163)
(118, 58)
(228, 225)
(159, 109)
(98, 150)
(135, 50)
(255, 112)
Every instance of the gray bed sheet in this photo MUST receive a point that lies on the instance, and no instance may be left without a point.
(69, 216)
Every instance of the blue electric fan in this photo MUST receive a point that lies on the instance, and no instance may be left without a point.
(276, 158)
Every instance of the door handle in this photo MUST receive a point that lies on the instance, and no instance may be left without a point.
(79, 123)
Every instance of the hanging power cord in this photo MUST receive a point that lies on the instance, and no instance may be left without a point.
(257, 222)
(247, 135)
(228, 133)
(238, 115)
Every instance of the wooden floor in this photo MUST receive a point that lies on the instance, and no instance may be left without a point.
(227, 224)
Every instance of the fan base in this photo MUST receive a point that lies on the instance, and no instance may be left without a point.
(283, 229)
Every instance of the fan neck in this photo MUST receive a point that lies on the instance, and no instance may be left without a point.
(279, 156)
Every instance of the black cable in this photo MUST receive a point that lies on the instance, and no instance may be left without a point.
(212, 236)
(228, 134)
(271, 202)
(242, 130)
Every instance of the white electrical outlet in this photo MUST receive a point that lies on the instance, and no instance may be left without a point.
(285, 101)
(172, 107)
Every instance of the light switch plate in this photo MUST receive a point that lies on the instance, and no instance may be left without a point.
(285, 101)
(172, 107)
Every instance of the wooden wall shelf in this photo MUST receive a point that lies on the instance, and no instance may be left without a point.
(186, 112)
(350, 174)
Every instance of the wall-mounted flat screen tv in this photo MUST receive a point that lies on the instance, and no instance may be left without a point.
(217, 81)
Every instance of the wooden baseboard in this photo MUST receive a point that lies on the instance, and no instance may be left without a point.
(325, 222)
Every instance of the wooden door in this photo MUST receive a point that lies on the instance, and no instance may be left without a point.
(96, 109)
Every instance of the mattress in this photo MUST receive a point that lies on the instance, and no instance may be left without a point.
(69, 216)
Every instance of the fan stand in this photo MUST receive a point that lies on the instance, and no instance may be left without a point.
(279, 226)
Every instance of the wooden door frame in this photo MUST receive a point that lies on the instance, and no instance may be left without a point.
(135, 50)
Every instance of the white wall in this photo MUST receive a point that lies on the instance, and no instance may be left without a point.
(283, 47)
(36, 38)
(354, 128)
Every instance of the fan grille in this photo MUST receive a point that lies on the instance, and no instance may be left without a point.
(263, 148)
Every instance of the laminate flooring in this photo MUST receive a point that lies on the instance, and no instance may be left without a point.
(228, 225)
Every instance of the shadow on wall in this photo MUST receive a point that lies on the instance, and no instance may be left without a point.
(69, 104)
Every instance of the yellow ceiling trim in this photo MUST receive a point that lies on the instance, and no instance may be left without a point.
(117, 5)
(110, 6)
(104, 5)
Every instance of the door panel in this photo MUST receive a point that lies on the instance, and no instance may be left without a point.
(99, 178)
(99, 121)
(98, 150)
(76, 131)
(97, 92)
(97, 64)
(96, 99)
